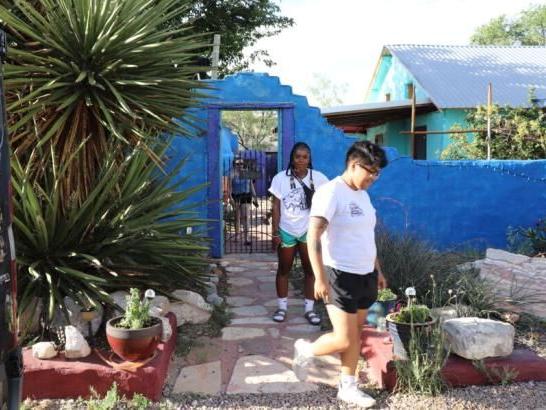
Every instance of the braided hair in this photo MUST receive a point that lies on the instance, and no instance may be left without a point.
(297, 146)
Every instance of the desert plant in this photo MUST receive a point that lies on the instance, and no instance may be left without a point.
(413, 314)
(407, 260)
(421, 373)
(94, 71)
(137, 312)
(127, 233)
(386, 294)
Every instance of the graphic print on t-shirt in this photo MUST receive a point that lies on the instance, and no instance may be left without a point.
(355, 209)
(294, 199)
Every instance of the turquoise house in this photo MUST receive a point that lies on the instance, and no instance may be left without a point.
(448, 81)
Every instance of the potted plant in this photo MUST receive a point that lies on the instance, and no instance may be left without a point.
(408, 322)
(134, 335)
(385, 303)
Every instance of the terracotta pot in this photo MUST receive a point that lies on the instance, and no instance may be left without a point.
(133, 344)
(401, 334)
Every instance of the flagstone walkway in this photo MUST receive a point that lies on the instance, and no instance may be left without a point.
(254, 354)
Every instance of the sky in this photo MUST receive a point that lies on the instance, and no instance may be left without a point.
(341, 40)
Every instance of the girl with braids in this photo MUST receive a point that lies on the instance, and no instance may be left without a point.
(292, 190)
(344, 258)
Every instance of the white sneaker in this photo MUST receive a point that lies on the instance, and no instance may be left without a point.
(302, 358)
(353, 395)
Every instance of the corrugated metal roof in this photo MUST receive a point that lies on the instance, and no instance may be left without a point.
(457, 76)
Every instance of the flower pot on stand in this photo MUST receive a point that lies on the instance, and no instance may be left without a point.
(401, 334)
(133, 344)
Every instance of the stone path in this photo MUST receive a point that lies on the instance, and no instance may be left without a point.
(254, 354)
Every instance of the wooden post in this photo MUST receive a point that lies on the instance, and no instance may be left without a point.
(413, 109)
(215, 56)
(489, 108)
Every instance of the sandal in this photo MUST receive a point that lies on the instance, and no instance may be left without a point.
(313, 318)
(279, 315)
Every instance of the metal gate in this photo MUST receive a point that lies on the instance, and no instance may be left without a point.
(247, 202)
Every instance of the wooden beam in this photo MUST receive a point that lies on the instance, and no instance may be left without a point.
(441, 132)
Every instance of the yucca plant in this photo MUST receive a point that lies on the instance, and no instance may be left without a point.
(128, 232)
(92, 71)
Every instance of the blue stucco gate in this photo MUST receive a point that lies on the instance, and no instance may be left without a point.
(249, 91)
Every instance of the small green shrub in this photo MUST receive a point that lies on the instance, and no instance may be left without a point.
(536, 236)
(421, 373)
(413, 314)
(112, 400)
(386, 294)
(137, 313)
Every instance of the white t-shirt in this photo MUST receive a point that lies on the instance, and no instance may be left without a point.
(294, 215)
(349, 241)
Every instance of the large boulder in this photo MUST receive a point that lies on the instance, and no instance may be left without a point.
(475, 339)
(75, 344)
(191, 307)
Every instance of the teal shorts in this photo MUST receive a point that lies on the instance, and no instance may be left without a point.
(288, 240)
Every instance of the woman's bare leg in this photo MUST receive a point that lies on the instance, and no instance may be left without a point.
(286, 259)
(309, 278)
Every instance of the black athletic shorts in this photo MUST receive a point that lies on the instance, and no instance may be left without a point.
(349, 291)
(243, 198)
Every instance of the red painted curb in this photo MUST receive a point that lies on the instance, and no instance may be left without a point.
(377, 350)
(61, 378)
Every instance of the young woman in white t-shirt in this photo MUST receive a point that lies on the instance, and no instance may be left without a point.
(290, 220)
(343, 254)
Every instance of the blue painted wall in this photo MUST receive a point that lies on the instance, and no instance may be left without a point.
(451, 203)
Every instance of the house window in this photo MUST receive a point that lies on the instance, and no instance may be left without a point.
(409, 91)
(387, 96)
(379, 139)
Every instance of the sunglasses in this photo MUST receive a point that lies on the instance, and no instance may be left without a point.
(373, 173)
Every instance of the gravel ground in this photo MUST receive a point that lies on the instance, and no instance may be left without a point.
(521, 396)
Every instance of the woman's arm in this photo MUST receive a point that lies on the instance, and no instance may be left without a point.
(317, 226)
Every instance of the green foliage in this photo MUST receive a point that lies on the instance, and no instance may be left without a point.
(241, 23)
(325, 93)
(421, 373)
(93, 71)
(386, 294)
(536, 236)
(413, 314)
(408, 261)
(112, 400)
(516, 133)
(254, 129)
(127, 233)
(137, 312)
(504, 375)
(527, 29)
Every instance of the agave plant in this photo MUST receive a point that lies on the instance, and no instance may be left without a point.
(92, 71)
(126, 233)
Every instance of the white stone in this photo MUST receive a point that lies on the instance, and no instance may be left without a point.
(192, 298)
(166, 328)
(238, 301)
(240, 281)
(210, 288)
(75, 317)
(235, 269)
(119, 297)
(260, 374)
(75, 345)
(249, 311)
(162, 303)
(500, 255)
(444, 313)
(224, 263)
(215, 300)
(186, 313)
(202, 379)
(214, 279)
(44, 350)
(241, 333)
(475, 339)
